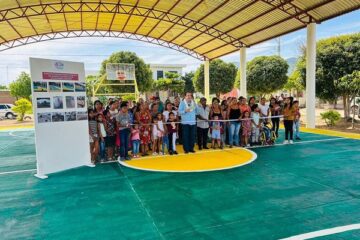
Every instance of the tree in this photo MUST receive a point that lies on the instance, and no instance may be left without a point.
(336, 57)
(3, 87)
(189, 85)
(21, 87)
(266, 74)
(171, 82)
(22, 106)
(349, 86)
(142, 71)
(294, 82)
(222, 77)
(90, 82)
(237, 79)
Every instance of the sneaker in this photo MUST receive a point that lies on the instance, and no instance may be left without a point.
(155, 154)
(171, 153)
(248, 145)
(192, 151)
(160, 153)
(286, 142)
(206, 148)
(128, 158)
(175, 152)
(291, 142)
(230, 146)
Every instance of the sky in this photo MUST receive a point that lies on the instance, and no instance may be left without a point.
(92, 51)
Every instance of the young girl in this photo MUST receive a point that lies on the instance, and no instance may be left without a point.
(246, 128)
(275, 111)
(161, 134)
(102, 136)
(297, 120)
(155, 137)
(255, 115)
(94, 136)
(172, 129)
(216, 133)
(135, 140)
(289, 116)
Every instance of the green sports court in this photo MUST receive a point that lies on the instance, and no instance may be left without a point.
(288, 190)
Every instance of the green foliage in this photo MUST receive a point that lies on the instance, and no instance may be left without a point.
(237, 79)
(266, 74)
(189, 85)
(21, 87)
(330, 117)
(3, 87)
(170, 83)
(128, 98)
(294, 82)
(349, 84)
(336, 57)
(142, 72)
(222, 77)
(90, 82)
(22, 106)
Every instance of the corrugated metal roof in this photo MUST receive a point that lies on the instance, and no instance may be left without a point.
(201, 28)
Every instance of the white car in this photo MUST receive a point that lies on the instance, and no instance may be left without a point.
(6, 112)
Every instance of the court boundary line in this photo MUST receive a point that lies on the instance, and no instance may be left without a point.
(17, 171)
(324, 232)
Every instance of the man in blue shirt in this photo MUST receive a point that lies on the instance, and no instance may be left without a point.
(187, 111)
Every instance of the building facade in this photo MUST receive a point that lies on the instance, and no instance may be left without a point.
(159, 70)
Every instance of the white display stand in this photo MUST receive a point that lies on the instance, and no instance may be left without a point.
(60, 113)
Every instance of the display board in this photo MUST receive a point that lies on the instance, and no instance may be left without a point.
(60, 112)
(120, 71)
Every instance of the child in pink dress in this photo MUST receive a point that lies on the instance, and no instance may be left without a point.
(246, 128)
(135, 140)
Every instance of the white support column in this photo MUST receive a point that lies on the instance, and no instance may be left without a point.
(207, 79)
(243, 89)
(310, 75)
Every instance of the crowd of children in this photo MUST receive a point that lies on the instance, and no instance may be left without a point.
(144, 126)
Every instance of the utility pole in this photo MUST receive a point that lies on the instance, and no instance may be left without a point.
(278, 40)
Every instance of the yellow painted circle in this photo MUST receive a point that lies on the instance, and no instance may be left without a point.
(201, 161)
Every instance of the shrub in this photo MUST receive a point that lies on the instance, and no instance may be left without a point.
(330, 117)
(129, 97)
(22, 106)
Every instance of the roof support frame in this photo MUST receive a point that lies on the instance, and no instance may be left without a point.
(48, 9)
(112, 34)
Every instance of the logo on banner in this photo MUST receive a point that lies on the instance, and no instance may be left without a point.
(59, 65)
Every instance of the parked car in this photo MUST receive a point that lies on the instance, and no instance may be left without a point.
(6, 111)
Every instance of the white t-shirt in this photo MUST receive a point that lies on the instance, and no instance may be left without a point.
(166, 114)
(113, 113)
(256, 118)
(102, 130)
(264, 109)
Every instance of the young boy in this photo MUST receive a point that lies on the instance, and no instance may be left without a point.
(216, 133)
(297, 120)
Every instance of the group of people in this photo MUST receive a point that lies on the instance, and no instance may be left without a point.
(145, 127)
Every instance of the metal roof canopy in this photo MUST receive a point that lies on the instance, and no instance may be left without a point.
(204, 29)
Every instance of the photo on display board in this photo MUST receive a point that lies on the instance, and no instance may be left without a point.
(43, 102)
(82, 116)
(40, 86)
(54, 87)
(80, 87)
(44, 117)
(70, 116)
(57, 117)
(70, 101)
(58, 102)
(68, 87)
(81, 102)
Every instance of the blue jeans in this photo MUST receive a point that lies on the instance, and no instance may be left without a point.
(124, 142)
(234, 133)
(135, 147)
(188, 136)
(297, 129)
(165, 142)
(102, 149)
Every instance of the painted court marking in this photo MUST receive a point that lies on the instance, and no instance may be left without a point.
(17, 171)
(324, 232)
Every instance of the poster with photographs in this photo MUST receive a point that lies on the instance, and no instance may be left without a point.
(43, 102)
(80, 87)
(57, 117)
(68, 87)
(70, 116)
(70, 101)
(44, 117)
(54, 87)
(80, 116)
(40, 86)
(58, 102)
(80, 102)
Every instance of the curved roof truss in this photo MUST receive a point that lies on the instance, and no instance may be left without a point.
(204, 29)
